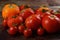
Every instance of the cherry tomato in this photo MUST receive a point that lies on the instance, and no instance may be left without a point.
(21, 7)
(33, 22)
(27, 32)
(12, 30)
(51, 23)
(58, 15)
(21, 28)
(15, 21)
(4, 23)
(40, 31)
(26, 13)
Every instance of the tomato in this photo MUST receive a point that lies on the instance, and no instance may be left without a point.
(10, 10)
(21, 7)
(52, 11)
(33, 22)
(21, 28)
(24, 6)
(51, 23)
(15, 21)
(4, 23)
(26, 13)
(58, 15)
(40, 31)
(43, 11)
(12, 30)
(27, 32)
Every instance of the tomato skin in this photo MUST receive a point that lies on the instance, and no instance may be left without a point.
(33, 22)
(10, 10)
(27, 32)
(40, 31)
(26, 13)
(12, 30)
(51, 23)
(58, 15)
(43, 14)
(21, 7)
(21, 29)
(14, 21)
(4, 23)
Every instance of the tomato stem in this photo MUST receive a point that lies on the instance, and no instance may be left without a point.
(43, 10)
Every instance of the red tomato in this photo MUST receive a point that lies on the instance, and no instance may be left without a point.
(40, 31)
(26, 13)
(4, 23)
(51, 23)
(52, 11)
(27, 32)
(58, 15)
(33, 22)
(43, 11)
(12, 30)
(15, 21)
(21, 29)
(22, 7)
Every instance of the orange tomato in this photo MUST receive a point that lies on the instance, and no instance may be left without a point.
(10, 10)
(43, 9)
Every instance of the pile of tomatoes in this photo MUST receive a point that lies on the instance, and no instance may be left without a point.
(25, 20)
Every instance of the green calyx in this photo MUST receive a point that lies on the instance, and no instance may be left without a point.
(43, 10)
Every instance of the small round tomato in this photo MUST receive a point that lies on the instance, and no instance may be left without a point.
(4, 23)
(33, 22)
(24, 6)
(12, 30)
(51, 23)
(21, 7)
(40, 31)
(57, 14)
(15, 21)
(26, 13)
(27, 32)
(21, 28)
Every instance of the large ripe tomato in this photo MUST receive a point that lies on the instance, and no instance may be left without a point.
(14, 21)
(27, 32)
(40, 31)
(33, 22)
(10, 10)
(51, 23)
(12, 30)
(21, 29)
(26, 13)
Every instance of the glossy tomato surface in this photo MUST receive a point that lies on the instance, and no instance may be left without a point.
(27, 32)
(40, 31)
(21, 29)
(51, 23)
(12, 30)
(33, 22)
(26, 13)
(14, 21)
